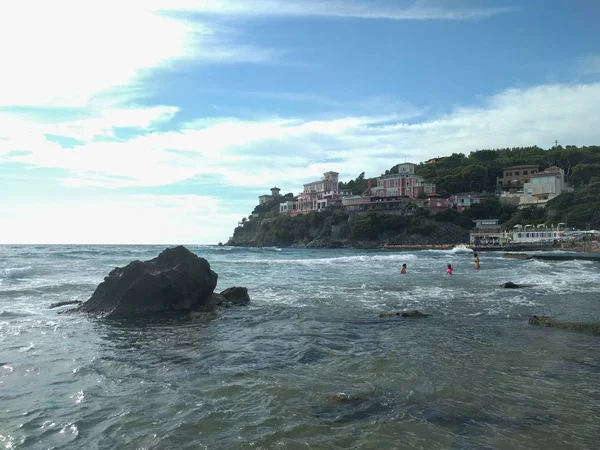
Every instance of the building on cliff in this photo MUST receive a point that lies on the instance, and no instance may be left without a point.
(404, 184)
(515, 177)
(464, 200)
(542, 187)
(266, 198)
(317, 195)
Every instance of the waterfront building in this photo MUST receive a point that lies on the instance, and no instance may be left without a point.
(530, 234)
(487, 233)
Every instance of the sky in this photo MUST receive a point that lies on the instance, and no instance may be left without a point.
(162, 121)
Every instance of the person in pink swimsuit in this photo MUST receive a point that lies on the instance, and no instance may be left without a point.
(449, 270)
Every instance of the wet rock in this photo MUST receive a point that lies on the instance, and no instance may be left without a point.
(517, 256)
(580, 327)
(177, 281)
(511, 285)
(68, 302)
(235, 296)
(405, 314)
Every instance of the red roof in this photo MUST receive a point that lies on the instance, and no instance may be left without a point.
(552, 171)
(526, 166)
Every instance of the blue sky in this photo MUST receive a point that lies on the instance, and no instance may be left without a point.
(162, 121)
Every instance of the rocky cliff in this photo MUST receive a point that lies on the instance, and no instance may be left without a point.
(335, 228)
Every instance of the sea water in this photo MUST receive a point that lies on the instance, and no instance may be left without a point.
(308, 364)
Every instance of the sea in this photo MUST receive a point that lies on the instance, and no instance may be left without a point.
(308, 364)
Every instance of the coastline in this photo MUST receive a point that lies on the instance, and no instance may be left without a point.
(370, 245)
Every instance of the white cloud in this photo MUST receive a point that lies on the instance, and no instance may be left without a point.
(255, 155)
(277, 150)
(407, 10)
(64, 52)
(120, 220)
(70, 53)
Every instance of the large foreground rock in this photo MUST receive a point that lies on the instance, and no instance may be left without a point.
(175, 281)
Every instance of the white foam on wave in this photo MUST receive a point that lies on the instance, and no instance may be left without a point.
(381, 257)
(16, 272)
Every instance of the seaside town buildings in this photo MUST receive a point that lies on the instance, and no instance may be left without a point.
(523, 186)
(388, 192)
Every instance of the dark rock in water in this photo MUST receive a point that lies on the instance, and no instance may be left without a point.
(233, 296)
(511, 285)
(405, 314)
(236, 295)
(68, 302)
(175, 281)
(545, 321)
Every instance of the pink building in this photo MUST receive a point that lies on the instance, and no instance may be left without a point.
(435, 202)
(405, 183)
(317, 195)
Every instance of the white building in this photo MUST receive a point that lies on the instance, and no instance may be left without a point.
(286, 207)
(536, 235)
(543, 186)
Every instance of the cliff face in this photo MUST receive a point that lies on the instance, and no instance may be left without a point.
(334, 228)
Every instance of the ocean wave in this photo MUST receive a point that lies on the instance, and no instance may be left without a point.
(381, 257)
(16, 272)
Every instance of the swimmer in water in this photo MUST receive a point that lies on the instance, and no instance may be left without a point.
(449, 270)
(477, 266)
(403, 270)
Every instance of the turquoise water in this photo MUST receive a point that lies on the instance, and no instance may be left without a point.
(308, 364)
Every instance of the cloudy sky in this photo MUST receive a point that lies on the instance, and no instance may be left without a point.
(161, 121)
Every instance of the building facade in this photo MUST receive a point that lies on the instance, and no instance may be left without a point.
(543, 186)
(516, 176)
(464, 201)
(266, 198)
(317, 195)
(405, 183)
(487, 233)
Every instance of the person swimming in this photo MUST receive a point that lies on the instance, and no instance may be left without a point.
(403, 269)
(449, 270)
(477, 266)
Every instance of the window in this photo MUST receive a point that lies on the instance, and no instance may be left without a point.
(516, 173)
(524, 172)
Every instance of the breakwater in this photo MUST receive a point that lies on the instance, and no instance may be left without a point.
(423, 246)
(555, 257)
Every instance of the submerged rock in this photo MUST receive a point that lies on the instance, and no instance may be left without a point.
(405, 314)
(68, 302)
(545, 321)
(175, 281)
(511, 285)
